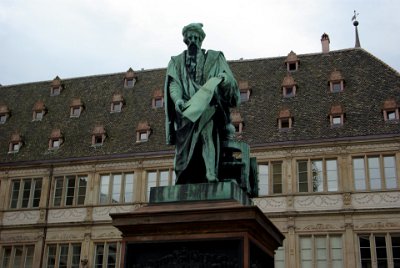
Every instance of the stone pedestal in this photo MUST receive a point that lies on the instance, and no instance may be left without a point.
(201, 232)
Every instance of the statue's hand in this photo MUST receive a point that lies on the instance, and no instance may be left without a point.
(223, 76)
(179, 105)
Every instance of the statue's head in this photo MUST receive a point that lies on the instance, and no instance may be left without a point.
(193, 36)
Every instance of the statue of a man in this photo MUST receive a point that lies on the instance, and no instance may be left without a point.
(199, 90)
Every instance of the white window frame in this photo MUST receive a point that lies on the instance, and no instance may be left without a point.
(372, 247)
(156, 178)
(267, 172)
(26, 257)
(106, 255)
(325, 176)
(122, 189)
(63, 197)
(312, 255)
(57, 256)
(34, 192)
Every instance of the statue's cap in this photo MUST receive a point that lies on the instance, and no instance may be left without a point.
(195, 27)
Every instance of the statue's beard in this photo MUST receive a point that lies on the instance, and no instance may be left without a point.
(192, 49)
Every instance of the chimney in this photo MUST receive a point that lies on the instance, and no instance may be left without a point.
(325, 43)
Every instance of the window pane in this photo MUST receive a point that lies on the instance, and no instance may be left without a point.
(263, 179)
(82, 182)
(128, 188)
(151, 181)
(26, 193)
(18, 256)
(321, 252)
(396, 250)
(37, 190)
(164, 178)
(332, 175)
(29, 256)
(359, 174)
(76, 255)
(277, 178)
(63, 258)
(390, 172)
(69, 199)
(104, 186)
(380, 247)
(280, 258)
(365, 251)
(305, 252)
(374, 173)
(302, 176)
(58, 191)
(116, 188)
(98, 263)
(6, 256)
(15, 194)
(317, 181)
(336, 251)
(51, 256)
(112, 255)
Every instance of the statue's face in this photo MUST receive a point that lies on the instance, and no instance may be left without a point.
(193, 41)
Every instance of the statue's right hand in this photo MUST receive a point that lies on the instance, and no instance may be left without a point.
(179, 105)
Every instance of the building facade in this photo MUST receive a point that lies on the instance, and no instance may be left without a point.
(324, 128)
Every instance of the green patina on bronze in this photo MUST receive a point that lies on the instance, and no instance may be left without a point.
(199, 91)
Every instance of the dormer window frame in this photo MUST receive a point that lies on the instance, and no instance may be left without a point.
(245, 91)
(143, 132)
(130, 78)
(289, 87)
(38, 115)
(117, 103)
(98, 136)
(56, 87)
(4, 114)
(237, 122)
(292, 62)
(336, 82)
(336, 116)
(15, 144)
(158, 99)
(285, 120)
(391, 111)
(56, 140)
(76, 108)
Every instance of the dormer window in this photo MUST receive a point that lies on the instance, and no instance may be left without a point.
(237, 122)
(292, 62)
(390, 111)
(4, 114)
(117, 103)
(15, 143)
(336, 116)
(285, 120)
(98, 136)
(143, 132)
(158, 99)
(244, 91)
(76, 107)
(130, 79)
(39, 110)
(56, 87)
(289, 87)
(336, 82)
(56, 139)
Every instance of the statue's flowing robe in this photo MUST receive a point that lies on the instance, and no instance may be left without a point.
(185, 134)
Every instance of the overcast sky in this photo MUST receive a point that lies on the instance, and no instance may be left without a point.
(40, 39)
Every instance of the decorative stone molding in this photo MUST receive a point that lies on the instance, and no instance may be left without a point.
(321, 227)
(318, 202)
(376, 200)
(66, 215)
(25, 217)
(103, 213)
(271, 204)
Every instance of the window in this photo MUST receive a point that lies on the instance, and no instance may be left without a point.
(292, 62)
(321, 251)
(4, 114)
(3, 118)
(156, 178)
(15, 143)
(336, 115)
(382, 249)
(289, 86)
(38, 115)
(143, 132)
(117, 188)
(129, 82)
(245, 91)
(130, 78)
(237, 122)
(158, 102)
(390, 111)
(336, 82)
(244, 96)
(39, 110)
(63, 255)
(20, 256)
(98, 135)
(55, 91)
(14, 147)
(25, 193)
(317, 175)
(107, 255)
(116, 107)
(285, 120)
(337, 120)
(279, 258)
(69, 190)
(375, 172)
(270, 184)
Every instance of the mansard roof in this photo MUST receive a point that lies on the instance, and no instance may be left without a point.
(369, 83)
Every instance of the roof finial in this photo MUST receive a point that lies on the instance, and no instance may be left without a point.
(355, 23)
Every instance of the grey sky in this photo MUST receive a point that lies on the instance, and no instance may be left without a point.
(40, 39)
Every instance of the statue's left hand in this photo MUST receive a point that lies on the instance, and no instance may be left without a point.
(223, 76)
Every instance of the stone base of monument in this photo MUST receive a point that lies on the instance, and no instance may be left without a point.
(198, 225)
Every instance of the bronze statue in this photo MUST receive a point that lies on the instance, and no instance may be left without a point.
(199, 90)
